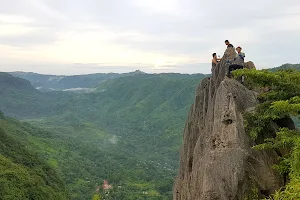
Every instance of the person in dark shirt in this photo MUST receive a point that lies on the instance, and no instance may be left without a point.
(228, 44)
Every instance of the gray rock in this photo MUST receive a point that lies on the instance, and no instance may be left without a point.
(249, 65)
(217, 159)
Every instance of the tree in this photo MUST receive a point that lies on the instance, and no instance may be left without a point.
(279, 99)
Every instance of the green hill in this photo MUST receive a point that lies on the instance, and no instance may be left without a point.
(8, 81)
(20, 100)
(23, 175)
(287, 66)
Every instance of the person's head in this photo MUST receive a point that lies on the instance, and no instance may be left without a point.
(227, 42)
(214, 55)
(239, 49)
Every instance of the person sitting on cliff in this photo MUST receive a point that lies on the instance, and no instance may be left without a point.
(228, 44)
(237, 62)
(215, 60)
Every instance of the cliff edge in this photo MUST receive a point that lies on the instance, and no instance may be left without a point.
(217, 160)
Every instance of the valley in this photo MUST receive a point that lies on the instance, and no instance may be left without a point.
(127, 131)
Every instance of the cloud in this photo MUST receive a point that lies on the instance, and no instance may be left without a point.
(157, 36)
(165, 7)
(12, 25)
(15, 19)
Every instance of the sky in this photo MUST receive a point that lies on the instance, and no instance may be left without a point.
(155, 36)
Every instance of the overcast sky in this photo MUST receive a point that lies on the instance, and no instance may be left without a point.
(89, 36)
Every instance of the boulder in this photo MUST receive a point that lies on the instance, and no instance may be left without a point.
(249, 65)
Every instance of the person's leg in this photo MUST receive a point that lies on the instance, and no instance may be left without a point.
(242, 77)
(231, 68)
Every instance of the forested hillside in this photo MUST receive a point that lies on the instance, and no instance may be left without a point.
(8, 81)
(127, 131)
(23, 174)
(287, 66)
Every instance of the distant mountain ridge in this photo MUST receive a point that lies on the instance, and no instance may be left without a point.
(80, 83)
(287, 66)
(62, 82)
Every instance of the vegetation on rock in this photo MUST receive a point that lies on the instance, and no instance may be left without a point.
(271, 126)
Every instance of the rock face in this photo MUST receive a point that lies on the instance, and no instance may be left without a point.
(217, 161)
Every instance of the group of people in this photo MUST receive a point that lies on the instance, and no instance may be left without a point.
(236, 63)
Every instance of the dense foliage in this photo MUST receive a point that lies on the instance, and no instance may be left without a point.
(270, 124)
(23, 175)
(127, 131)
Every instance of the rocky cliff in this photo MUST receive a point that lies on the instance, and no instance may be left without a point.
(217, 159)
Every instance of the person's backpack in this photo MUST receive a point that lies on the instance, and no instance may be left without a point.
(242, 55)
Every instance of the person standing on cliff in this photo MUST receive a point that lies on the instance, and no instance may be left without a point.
(238, 62)
(215, 60)
(228, 44)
